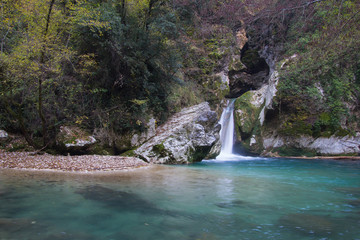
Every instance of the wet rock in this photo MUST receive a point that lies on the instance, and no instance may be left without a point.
(118, 199)
(186, 137)
(214, 151)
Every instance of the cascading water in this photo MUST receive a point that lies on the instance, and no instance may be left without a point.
(227, 134)
(227, 130)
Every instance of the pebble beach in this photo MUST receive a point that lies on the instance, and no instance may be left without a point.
(83, 163)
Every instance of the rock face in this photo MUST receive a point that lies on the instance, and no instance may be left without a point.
(186, 137)
(249, 113)
(110, 143)
(250, 72)
(324, 146)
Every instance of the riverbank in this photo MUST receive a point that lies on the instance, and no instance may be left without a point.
(94, 163)
(83, 163)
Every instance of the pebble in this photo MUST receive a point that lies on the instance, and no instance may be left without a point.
(83, 163)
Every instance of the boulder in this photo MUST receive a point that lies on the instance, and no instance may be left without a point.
(186, 137)
(3, 135)
(247, 110)
(74, 140)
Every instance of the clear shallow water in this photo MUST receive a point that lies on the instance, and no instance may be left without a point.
(241, 198)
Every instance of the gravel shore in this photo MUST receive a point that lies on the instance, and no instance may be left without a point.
(84, 163)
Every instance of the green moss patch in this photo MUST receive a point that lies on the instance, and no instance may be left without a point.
(160, 150)
(294, 152)
(246, 114)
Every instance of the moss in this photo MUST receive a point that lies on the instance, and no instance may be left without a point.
(98, 149)
(341, 132)
(198, 154)
(294, 152)
(206, 65)
(211, 44)
(296, 128)
(70, 140)
(18, 147)
(129, 153)
(216, 55)
(236, 65)
(160, 150)
(246, 114)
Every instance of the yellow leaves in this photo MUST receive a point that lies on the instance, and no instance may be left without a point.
(80, 119)
(87, 63)
(139, 102)
(88, 16)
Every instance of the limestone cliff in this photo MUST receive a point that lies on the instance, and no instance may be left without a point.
(277, 114)
(186, 137)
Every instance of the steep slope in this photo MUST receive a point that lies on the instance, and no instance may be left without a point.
(313, 59)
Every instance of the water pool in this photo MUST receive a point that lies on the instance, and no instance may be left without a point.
(245, 198)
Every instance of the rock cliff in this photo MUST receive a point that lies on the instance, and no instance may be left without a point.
(186, 137)
(268, 124)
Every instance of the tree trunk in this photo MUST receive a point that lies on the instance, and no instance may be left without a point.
(40, 80)
(123, 11)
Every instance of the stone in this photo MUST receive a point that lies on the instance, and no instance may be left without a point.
(214, 151)
(186, 137)
(3, 134)
(74, 139)
(247, 110)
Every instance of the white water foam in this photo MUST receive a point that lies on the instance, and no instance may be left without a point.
(227, 134)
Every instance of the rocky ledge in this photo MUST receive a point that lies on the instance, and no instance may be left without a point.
(186, 137)
(84, 163)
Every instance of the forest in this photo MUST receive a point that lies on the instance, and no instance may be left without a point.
(113, 65)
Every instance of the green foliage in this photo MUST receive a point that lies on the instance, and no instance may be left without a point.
(107, 64)
(322, 80)
(296, 128)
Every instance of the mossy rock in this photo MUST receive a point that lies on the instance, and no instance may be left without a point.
(236, 65)
(246, 112)
(296, 128)
(99, 149)
(160, 150)
(198, 154)
(287, 151)
(253, 144)
(129, 153)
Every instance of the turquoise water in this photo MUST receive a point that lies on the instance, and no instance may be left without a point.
(252, 199)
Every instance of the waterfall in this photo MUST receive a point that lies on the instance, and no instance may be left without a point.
(227, 130)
